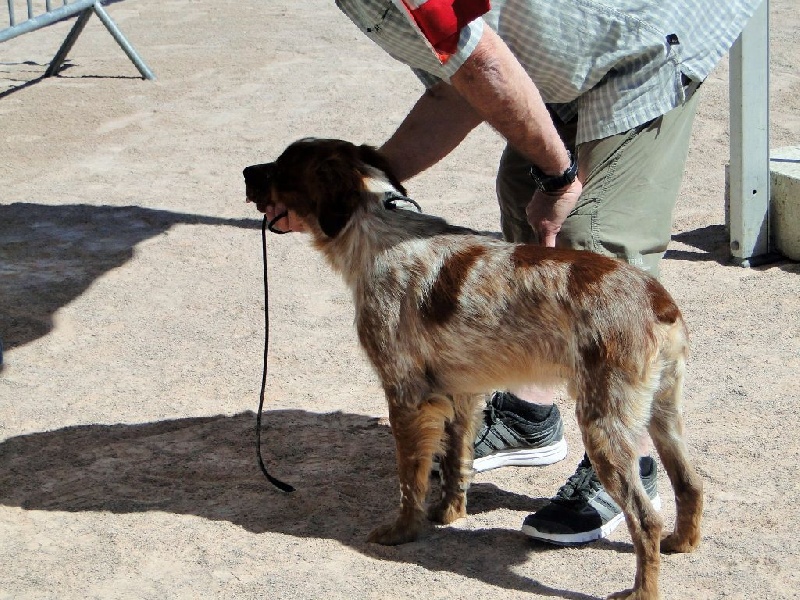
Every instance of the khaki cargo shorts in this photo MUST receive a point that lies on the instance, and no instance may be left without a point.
(631, 183)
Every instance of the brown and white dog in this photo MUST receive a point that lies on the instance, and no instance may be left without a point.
(445, 314)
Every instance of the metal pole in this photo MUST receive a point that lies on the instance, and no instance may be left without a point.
(117, 34)
(73, 34)
(749, 176)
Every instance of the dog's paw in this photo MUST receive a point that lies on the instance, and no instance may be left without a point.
(673, 544)
(393, 534)
(445, 512)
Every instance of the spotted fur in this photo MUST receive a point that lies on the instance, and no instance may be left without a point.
(445, 315)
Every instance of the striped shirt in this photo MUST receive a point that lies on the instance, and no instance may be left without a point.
(613, 64)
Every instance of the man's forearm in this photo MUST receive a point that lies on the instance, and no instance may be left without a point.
(439, 122)
(499, 89)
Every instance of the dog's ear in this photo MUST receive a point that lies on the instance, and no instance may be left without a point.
(338, 197)
(369, 155)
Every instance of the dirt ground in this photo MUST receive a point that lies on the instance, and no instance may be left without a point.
(132, 313)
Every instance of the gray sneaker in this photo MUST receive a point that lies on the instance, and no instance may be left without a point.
(507, 438)
(582, 511)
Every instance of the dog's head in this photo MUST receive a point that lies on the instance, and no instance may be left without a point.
(322, 181)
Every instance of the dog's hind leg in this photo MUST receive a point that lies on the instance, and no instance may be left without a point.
(666, 430)
(418, 430)
(612, 424)
(456, 464)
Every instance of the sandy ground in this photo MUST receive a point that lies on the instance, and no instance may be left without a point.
(132, 311)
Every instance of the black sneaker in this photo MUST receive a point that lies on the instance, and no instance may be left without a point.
(582, 511)
(509, 437)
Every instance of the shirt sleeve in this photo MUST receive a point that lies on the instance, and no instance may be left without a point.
(425, 78)
(469, 36)
(468, 39)
(440, 21)
(395, 31)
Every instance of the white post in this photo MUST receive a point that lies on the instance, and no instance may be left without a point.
(749, 176)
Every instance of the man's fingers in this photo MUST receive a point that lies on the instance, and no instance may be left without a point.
(547, 212)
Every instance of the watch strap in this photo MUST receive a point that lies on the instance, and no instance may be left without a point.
(553, 183)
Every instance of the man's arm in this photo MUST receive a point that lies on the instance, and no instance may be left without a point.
(491, 85)
(439, 121)
(499, 89)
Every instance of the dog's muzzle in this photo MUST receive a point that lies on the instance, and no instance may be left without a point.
(271, 224)
(257, 179)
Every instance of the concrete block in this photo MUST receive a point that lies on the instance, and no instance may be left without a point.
(784, 169)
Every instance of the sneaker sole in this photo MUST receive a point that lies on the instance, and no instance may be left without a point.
(531, 457)
(584, 537)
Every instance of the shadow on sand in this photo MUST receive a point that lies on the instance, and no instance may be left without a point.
(49, 255)
(206, 467)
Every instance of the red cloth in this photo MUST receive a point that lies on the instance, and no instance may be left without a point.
(441, 21)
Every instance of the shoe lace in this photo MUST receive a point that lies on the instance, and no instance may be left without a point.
(490, 415)
(580, 485)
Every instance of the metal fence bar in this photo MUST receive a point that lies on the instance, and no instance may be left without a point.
(45, 19)
(123, 43)
(749, 176)
(84, 8)
(69, 41)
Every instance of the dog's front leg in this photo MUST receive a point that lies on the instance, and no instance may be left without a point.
(418, 429)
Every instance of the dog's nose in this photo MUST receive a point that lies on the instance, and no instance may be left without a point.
(249, 173)
(258, 175)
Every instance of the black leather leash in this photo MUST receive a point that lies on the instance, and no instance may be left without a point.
(284, 487)
(391, 201)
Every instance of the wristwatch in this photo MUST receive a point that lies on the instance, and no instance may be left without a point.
(553, 183)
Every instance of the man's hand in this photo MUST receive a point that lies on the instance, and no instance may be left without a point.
(548, 211)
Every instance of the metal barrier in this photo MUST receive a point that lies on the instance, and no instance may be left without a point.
(749, 181)
(83, 9)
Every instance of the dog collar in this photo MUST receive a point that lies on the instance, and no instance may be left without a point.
(394, 201)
